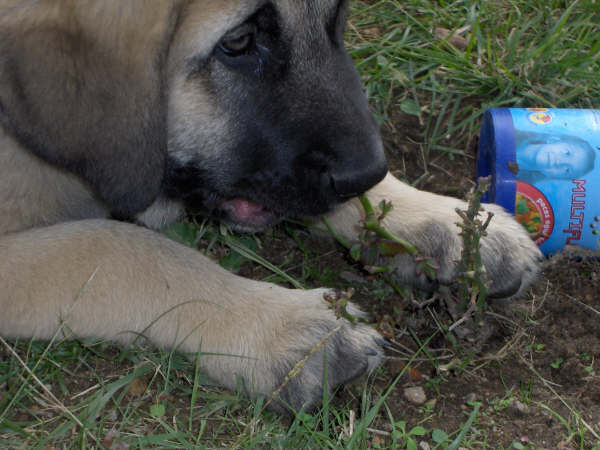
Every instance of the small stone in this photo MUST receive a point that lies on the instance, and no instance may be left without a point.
(415, 395)
(471, 398)
(424, 446)
(519, 407)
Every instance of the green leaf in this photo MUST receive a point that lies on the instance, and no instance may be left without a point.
(158, 410)
(185, 233)
(439, 436)
(418, 431)
(557, 363)
(402, 425)
(410, 107)
(382, 61)
(355, 252)
(411, 444)
(234, 260)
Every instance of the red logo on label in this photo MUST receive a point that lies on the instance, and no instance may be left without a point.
(533, 211)
(540, 118)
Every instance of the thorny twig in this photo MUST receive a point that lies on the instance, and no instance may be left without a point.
(375, 241)
(472, 277)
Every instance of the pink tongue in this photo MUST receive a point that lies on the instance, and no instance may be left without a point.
(243, 210)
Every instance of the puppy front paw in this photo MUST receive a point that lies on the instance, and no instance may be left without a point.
(510, 257)
(322, 352)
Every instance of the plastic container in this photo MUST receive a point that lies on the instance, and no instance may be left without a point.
(545, 168)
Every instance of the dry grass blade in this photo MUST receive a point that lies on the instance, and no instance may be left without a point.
(57, 403)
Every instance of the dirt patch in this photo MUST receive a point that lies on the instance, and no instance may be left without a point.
(535, 370)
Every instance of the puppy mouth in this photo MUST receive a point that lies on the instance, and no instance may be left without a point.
(245, 215)
(247, 205)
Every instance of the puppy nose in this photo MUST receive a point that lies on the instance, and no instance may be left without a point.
(354, 180)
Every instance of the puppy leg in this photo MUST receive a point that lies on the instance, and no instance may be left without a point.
(110, 280)
(428, 221)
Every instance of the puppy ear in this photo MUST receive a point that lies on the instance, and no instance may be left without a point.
(82, 87)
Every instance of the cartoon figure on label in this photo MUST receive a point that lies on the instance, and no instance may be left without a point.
(542, 156)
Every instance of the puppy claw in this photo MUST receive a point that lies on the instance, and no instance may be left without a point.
(371, 352)
(383, 343)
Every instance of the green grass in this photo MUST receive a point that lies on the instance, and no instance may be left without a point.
(518, 53)
(521, 53)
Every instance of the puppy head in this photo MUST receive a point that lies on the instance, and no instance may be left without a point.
(266, 111)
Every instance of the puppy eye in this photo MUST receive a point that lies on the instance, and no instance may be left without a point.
(238, 45)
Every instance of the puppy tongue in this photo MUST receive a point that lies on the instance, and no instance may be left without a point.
(244, 211)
